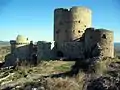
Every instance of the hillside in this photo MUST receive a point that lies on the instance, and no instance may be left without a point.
(52, 75)
(57, 75)
(117, 48)
(4, 43)
(117, 45)
(4, 50)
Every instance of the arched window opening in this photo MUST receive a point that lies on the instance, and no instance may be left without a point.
(79, 31)
(104, 36)
(57, 31)
(91, 37)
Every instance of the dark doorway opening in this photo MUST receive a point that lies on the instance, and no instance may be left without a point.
(59, 54)
(34, 58)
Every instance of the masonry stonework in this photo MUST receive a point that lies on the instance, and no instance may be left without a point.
(80, 19)
(70, 24)
(101, 40)
(19, 47)
(73, 50)
(73, 37)
(43, 50)
(73, 26)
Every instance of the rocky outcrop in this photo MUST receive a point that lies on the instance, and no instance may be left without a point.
(109, 82)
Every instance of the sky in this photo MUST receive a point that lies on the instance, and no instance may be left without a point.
(34, 18)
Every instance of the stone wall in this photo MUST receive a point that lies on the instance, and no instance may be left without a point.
(13, 45)
(60, 26)
(22, 52)
(73, 50)
(20, 48)
(80, 19)
(43, 50)
(99, 41)
(70, 24)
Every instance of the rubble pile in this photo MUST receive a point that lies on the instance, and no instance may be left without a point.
(110, 82)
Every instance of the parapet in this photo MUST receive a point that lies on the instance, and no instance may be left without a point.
(103, 30)
(90, 29)
(12, 42)
(80, 8)
(100, 30)
(43, 42)
(60, 10)
(73, 9)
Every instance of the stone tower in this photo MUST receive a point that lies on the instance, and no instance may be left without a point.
(61, 17)
(70, 24)
(13, 46)
(99, 42)
(80, 19)
(21, 41)
(20, 47)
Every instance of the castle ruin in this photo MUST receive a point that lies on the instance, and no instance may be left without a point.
(70, 24)
(74, 37)
(23, 49)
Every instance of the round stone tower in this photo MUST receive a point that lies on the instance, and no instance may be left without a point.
(21, 41)
(22, 47)
(99, 42)
(13, 46)
(80, 19)
(61, 16)
(70, 24)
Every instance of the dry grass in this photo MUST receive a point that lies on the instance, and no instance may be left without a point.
(3, 52)
(102, 66)
(32, 77)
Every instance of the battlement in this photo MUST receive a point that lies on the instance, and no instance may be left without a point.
(80, 8)
(103, 30)
(60, 10)
(100, 30)
(12, 42)
(72, 23)
(43, 42)
(73, 9)
(103, 38)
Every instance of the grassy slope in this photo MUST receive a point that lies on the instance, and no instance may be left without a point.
(117, 48)
(46, 68)
(4, 50)
(27, 76)
(30, 75)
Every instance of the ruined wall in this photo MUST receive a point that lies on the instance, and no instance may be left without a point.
(13, 46)
(43, 50)
(73, 50)
(20, 47)
(99, 41)
(22, 52)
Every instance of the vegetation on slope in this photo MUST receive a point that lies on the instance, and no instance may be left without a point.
(51, 75)
(60, 75)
